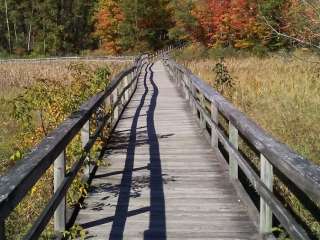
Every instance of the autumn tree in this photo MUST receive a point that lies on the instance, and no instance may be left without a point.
(107, 28)
(134, 26)
(146, 24)
(230, 23)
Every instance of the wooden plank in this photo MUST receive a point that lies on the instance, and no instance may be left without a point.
(59, 175)
(265, 211)
(233, 138)
(85, 136)
(214, 135)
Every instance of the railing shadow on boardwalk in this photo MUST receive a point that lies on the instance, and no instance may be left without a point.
(131, 187)
(157, 225)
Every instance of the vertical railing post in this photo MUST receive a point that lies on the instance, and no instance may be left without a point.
(116, 107)
(177, 76)
(266, 172)
(202, 118)
(186, 86)
(180, 80)
(126, 93)
(118, 91)
(59, 172)
(233, 138)
(107, 105)
(214, 117)
(192, 100)
(132, 85)
(85, 137)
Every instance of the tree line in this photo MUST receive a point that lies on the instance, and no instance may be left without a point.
(46, 27)
(51, 27)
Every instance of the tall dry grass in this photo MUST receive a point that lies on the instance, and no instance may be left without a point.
(281, 95)
(19, 75)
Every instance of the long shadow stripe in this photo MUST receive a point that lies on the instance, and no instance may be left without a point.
(121, 212)
(157, 224)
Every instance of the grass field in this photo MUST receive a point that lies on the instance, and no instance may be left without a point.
(280, 94)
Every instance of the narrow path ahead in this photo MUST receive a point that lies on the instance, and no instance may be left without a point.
(163, 180)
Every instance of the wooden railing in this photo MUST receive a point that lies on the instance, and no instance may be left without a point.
(15, 185)
(275, 158)
(76, 58)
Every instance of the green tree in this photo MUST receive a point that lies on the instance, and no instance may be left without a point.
(185, 24)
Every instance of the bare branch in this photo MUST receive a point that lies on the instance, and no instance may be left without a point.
(290, 37)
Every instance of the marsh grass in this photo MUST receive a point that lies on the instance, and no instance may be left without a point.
(19, 75)
(282, 96)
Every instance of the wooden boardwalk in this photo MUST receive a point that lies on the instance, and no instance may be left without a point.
(162, 180)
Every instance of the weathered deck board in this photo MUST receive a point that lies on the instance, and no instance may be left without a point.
(163, 180)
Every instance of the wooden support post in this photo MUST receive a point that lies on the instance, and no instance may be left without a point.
(59, 172)
(177, 76)
(133, 76)
(107, 103)
(180, 84)
(186, 87)
(107, 106)
(130, 89)
(85, 137)
(116, 108)
(126, 93)
(202, 118)
(192, 100)
(233, 138)
(214, 117)
(266, 172)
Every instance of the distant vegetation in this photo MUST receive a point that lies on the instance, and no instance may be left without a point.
(33, 27)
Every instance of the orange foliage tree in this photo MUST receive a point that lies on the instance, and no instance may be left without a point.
(230, 23)
(108, 19)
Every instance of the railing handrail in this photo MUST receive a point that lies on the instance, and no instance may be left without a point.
(71, 58)
(303, 173)
(18, 181)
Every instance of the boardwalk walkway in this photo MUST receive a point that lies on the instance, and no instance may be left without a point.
(162, 179)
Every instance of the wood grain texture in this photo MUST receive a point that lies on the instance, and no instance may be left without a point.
(161, 179)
